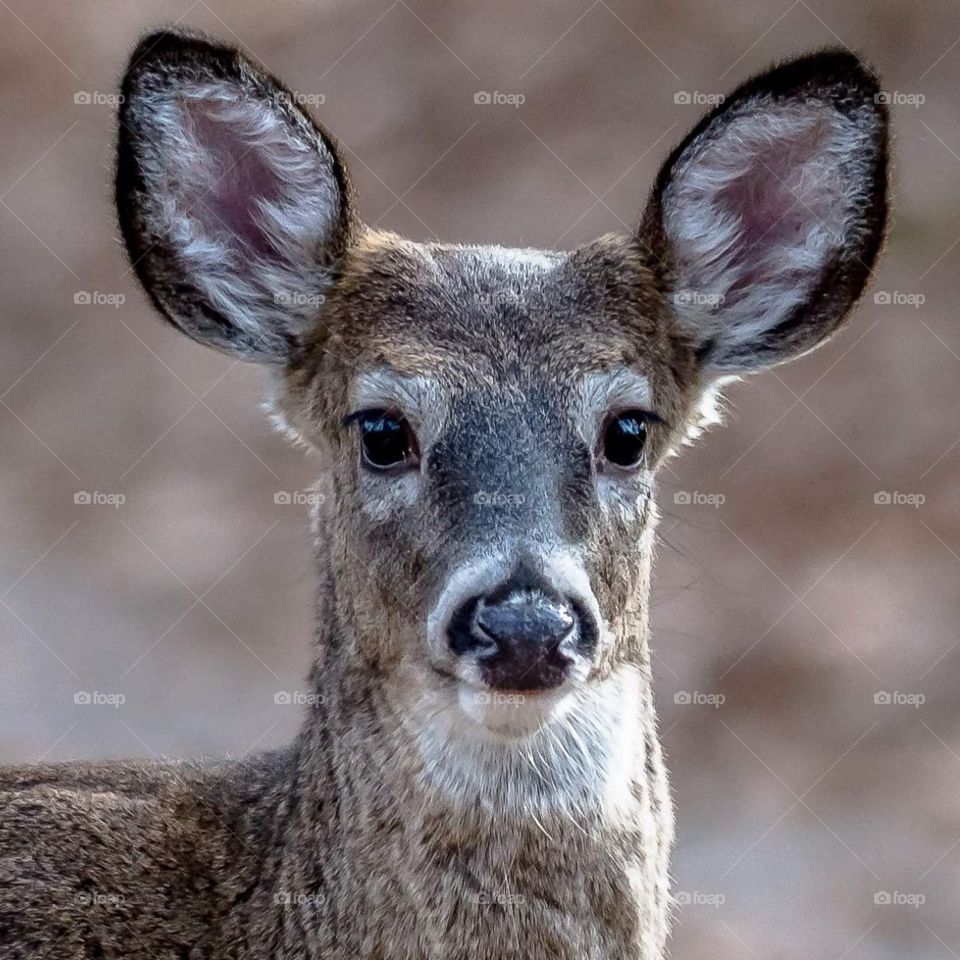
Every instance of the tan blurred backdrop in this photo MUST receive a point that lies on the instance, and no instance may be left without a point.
(807, 636)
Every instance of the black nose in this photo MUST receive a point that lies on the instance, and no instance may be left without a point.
(523, 635)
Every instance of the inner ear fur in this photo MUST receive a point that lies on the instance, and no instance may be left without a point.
(765, 222)
(235, 206)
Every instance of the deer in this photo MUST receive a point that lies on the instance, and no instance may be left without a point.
(478, 774)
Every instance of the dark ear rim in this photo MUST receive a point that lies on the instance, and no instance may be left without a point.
(841, 79)
(189, 54)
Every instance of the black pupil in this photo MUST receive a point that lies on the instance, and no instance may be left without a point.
(624, 439)
(385, 441)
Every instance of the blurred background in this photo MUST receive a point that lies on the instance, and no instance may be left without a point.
(807, 611)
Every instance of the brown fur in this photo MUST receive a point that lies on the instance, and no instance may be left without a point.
(349, 844)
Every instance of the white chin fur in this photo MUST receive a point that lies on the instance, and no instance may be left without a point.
(513, 715)
(578, 747)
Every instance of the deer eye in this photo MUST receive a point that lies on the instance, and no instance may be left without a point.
(386, 440)
(624, 437)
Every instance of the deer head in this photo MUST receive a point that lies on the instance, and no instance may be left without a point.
(493, 420)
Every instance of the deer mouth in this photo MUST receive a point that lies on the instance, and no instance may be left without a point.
(512, 715)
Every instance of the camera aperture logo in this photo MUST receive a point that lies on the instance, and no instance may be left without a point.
(498, 99)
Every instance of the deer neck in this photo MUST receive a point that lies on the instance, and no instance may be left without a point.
(407, 810)
(392, 741)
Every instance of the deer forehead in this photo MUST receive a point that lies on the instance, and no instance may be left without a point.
(445, 318)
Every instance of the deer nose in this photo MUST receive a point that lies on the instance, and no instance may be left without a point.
(522, 638)
(522, 620)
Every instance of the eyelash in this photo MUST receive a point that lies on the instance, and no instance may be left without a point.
(358, 415)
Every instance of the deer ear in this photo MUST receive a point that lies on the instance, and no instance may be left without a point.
(234, 205)
(765, 222)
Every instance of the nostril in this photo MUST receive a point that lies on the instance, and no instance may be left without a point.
(462, 632)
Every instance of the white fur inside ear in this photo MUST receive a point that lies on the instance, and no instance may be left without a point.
(245, 197)
(757, 210)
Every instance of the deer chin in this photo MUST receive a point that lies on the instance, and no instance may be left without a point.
(504, 714)
(513, 714)
(573, 747)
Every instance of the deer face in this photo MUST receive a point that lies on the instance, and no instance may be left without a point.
(493, 460)
(493, 420)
